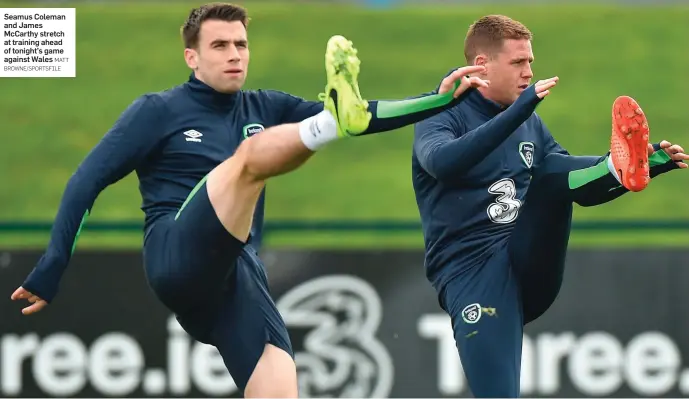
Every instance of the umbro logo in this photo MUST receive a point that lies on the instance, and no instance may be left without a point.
(193, 135)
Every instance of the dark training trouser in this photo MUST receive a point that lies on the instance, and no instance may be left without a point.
(216, 286)
(486, 313)
(490, 303)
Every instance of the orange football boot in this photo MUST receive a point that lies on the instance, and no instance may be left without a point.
(629, 143)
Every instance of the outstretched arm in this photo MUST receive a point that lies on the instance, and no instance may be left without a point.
(447, 153)
(118, 153)
(592, 180)
(393, 114)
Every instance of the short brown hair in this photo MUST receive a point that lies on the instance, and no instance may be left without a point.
(212, 11)
(489, 33)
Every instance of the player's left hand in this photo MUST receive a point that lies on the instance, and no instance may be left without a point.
(461, 74)
(675, 151)
(36, 303)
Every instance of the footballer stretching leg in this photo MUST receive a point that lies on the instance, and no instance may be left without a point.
(495, 193)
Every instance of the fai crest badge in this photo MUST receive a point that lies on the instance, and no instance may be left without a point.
(471, 314)
(251, 129)
(526, 150)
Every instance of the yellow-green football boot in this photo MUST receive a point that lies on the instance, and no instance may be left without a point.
(342, 98)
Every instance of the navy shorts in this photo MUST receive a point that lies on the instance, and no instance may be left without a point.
(485, 308)
(215, 285)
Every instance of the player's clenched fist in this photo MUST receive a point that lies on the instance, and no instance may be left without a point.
(36, 302)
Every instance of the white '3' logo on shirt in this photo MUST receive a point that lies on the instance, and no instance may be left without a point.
(506, 207)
